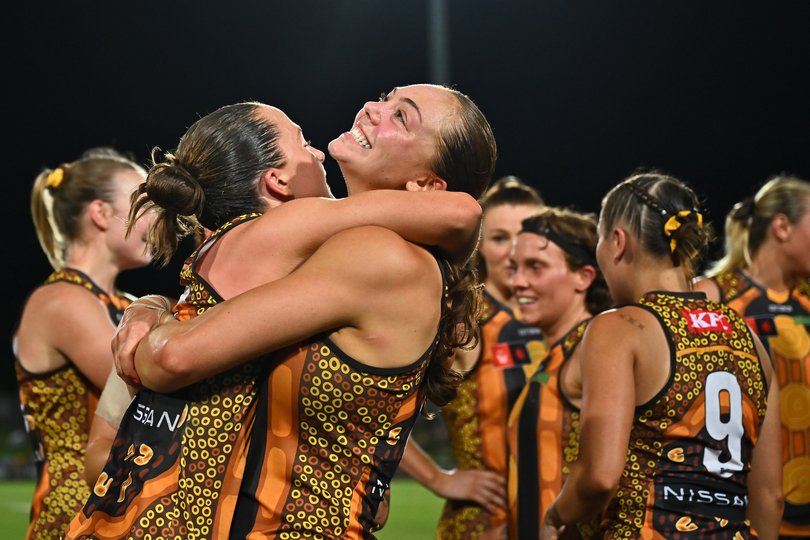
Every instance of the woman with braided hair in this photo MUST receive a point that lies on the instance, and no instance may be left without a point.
(62, 342)
(680, 413)
(763, 277)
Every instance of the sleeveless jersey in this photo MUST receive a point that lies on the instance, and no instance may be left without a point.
(476, 419)
(176, 462)
(690, 446)
(782, 321)
(328, 437)
(543, 441)
(58, 408)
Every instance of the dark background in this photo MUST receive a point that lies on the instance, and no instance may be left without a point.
(579, 93)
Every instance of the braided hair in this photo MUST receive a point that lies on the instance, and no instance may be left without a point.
(668, 221)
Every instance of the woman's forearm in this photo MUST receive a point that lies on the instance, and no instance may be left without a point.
(581, 498)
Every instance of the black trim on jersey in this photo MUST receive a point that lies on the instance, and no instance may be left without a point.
(247, 506)
(691, 295)
(207, 244)
(365, 368)
(566, 400)
(670, 344)
(528, 494)
(46, 374)
(114, 313)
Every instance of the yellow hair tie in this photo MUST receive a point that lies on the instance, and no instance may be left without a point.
(55, 178)
(674, 223)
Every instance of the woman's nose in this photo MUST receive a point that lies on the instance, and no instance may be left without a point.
(317, 153)
(516, 280)
(373, 110)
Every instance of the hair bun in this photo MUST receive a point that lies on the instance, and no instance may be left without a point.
(171, 186)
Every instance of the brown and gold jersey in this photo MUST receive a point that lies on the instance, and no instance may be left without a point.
(176, 462)
(476, 419)
(329, 434)
(690, 446)
(58, 408)
(782, 321)
(543, 440)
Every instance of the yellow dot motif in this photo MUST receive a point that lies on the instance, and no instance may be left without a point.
(200, 444)
(669, 434)
(57, 409)
(347, 432)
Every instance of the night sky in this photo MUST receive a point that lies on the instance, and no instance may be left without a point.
(579, 94)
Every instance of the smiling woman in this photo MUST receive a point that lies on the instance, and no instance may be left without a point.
(364, 326)
(493, 374)
(559, 289)
(391, 128)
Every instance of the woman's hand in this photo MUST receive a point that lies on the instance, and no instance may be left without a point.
(486, 488)
(551, 529)
(139, 318)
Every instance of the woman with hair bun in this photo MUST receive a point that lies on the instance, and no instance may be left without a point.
(301, 442)
(62, 342)
(680, 410)
(763, 276)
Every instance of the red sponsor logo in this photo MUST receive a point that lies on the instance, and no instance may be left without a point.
(502, 355)
(701, 320)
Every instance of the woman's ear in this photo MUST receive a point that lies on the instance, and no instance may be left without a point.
(274, 186)
(781, 227)
(100, 213)
(620, 243)
(584, 277)
(426, 183)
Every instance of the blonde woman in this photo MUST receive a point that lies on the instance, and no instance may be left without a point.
(62, 343)
(763, 276)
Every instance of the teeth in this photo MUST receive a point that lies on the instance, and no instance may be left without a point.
(522, 300)
(358, 136)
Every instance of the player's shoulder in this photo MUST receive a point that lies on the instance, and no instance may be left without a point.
(709, 286)
(372, 240)
(371, 249)
(61, 296)
(620, 316)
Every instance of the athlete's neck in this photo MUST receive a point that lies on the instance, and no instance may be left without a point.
(769, 268)
(501, 294)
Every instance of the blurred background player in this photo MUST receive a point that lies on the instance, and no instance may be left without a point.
(559, 288)
(763, 277)
(494, 373)
(62, 343)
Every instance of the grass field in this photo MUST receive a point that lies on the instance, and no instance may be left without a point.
(414, 511)
(15, 501)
